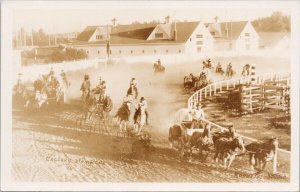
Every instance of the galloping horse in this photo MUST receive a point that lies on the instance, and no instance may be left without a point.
(229, 71)
(261, 153)
(139, 119)
(158, 68)
(133, 91)
(226, 149)
(96, 104)
(123, 115)
(203, 141)
(85, 88)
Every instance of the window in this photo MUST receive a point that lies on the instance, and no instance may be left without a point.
(143, 51)
(120, 52)
(199, 36)
(247, 34)
(154, 50)
(131, 51)
(87, 52)
(199, 49)
(159, 35)
(110, 51)
(199, 43)
(179, 51)
(213, 33)
(247, 40)
(98, 52)
(190, 39)
(99, 36)
(167, 51)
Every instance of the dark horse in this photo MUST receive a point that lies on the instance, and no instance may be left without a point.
(261, 153)
(226, 149)
(132, 90)
(97, 105)
(158, 68)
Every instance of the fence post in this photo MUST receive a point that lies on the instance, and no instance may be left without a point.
(210, 90)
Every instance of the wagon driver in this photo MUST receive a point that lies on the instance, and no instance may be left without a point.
(197, 115)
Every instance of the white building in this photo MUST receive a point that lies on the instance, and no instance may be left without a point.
(191, 38)
(237, 35)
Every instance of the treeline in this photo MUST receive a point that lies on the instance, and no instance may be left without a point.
(36, 38)
(52, 55)
(277, 22)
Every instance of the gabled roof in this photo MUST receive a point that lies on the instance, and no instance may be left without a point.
(138, 33)
(87, 33)
(233, 31)
(269, 39)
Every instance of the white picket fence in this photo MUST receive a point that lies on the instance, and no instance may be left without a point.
(221, 86)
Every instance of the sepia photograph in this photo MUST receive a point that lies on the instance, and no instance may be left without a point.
(150, 95)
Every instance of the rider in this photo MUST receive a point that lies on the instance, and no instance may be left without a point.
(231, 133)
(246, 70)
(219, 67)
(38, 84)
(143, 105)
(133, 84)
(64, 76)
(197, 115)
(159, 64)
(86, 81)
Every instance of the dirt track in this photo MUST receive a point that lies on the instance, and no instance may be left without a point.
(50, 146)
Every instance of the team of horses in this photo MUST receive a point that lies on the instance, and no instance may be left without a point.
(225, 146)
(45, 91)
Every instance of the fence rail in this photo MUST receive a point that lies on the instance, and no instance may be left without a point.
(222, 86)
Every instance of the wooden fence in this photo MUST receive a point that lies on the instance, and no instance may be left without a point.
(226, 85)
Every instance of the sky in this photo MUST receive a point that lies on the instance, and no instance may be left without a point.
(68, 17)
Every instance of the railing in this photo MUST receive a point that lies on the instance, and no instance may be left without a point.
(221, 86)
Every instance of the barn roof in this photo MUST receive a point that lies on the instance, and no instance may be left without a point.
(138, 33)
(87, 33)
(234, 29)
(269, 39)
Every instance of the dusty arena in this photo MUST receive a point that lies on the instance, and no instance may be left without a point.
(51, 145)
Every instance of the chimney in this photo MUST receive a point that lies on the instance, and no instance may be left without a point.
(167, 19)
(114, 22)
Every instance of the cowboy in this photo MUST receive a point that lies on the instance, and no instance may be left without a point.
(51, 73)
(133, 82)
(219, 67)
(197, 116)
(231, 133)
(38, 84)
(229, 66)
(99, 82)
(246, 70)
(143, 105)
(86, 83)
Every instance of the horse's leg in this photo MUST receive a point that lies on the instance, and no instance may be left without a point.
(225, 161)
(251, 162)
(232, 157)
(216, 159)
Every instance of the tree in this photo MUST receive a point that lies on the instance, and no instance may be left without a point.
(277, 22)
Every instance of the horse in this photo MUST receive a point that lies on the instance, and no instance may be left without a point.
(189, 82)
(229, 72)
(132, 90)
(85, 88)
(36, 99)
(19, 92)
(139, 119)
(246, 70)
(202, 82)
(123, 115)
(158, 68)
(261, 153)
(226, 149)
(203, 141)
(177, 136)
